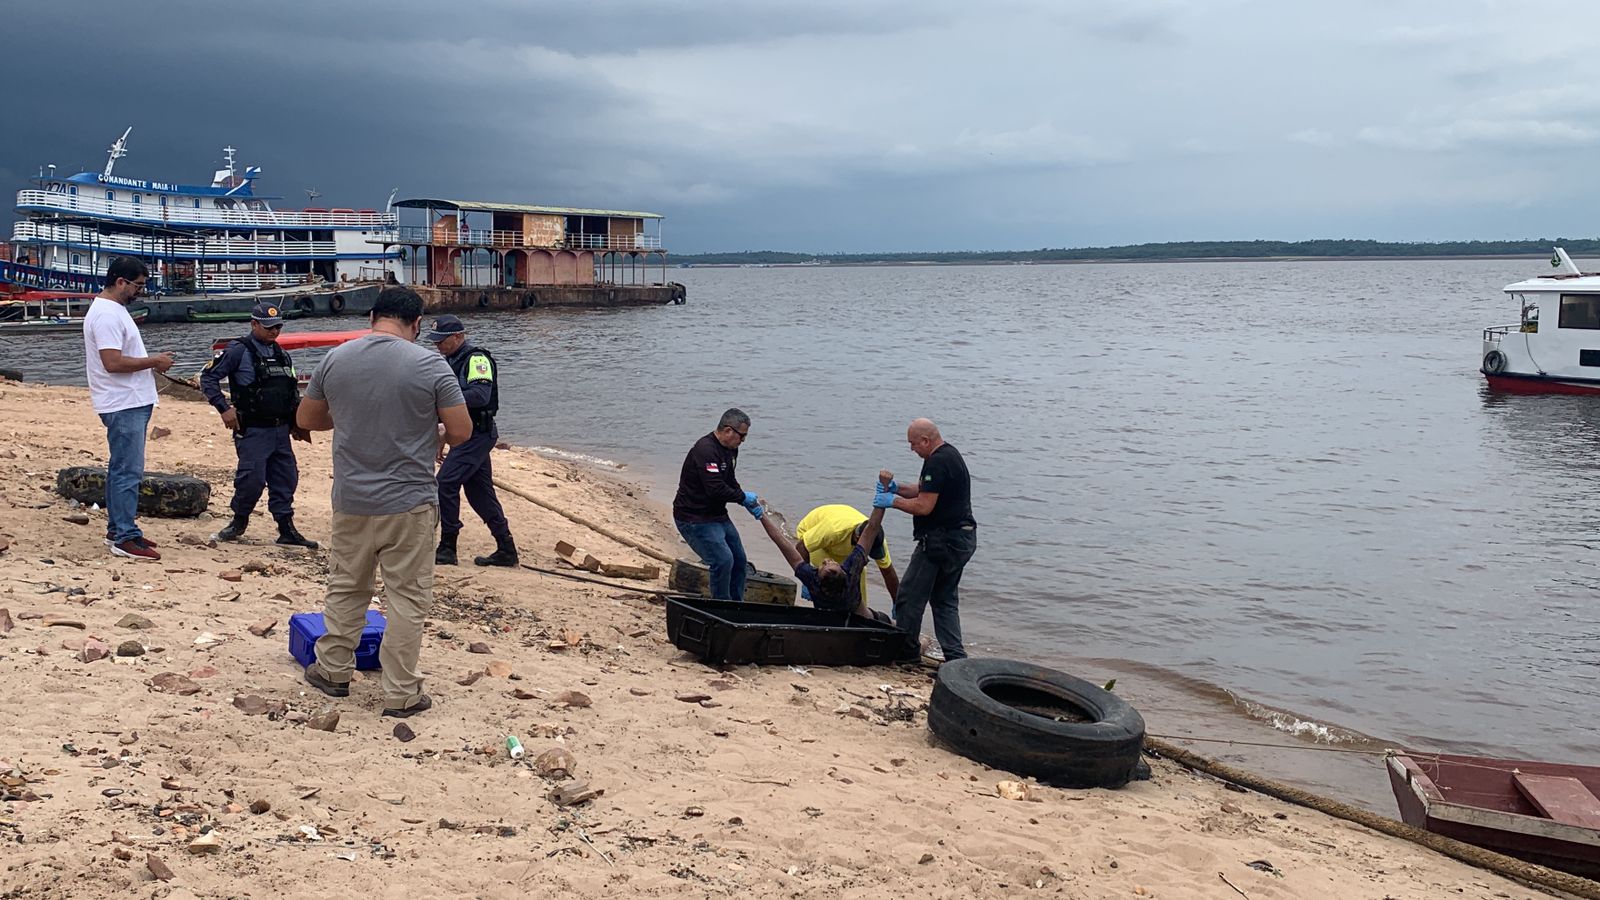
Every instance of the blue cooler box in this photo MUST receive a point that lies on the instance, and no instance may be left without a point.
(305, 628)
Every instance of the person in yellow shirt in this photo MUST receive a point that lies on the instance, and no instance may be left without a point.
(829, 533)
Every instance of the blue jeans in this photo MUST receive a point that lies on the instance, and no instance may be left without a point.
(933, 578)
(125, 430)
(718, 546)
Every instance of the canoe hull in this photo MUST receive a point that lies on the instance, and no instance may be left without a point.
(1472, 800)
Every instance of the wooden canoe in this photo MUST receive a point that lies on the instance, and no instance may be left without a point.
(1545, 813)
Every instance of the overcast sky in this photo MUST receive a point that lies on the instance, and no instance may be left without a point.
(851, 126)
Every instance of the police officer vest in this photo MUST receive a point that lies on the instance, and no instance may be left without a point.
(483, 416)
(269, 401)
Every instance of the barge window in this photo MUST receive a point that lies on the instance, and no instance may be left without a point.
(1580, 311)
(1589, 357)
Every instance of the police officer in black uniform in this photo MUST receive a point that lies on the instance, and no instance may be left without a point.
(265, 392)
(467, 466)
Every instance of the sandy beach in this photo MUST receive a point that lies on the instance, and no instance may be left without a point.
(777, 783)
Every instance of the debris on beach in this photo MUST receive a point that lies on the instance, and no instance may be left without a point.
(1014, 790)
(327, 720)
(574, 794)
(573, 699)
(173, 683)
(555, 762)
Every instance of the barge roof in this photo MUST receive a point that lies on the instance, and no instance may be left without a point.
(487, 206)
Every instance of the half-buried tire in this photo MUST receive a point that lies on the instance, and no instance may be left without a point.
(1036, 721)
(160, 494)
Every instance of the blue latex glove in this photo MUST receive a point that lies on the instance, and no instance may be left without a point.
(892, 487)
(756, 509)
(749, 501)
(883, 500)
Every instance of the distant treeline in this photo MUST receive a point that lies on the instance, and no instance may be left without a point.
(1173, 250)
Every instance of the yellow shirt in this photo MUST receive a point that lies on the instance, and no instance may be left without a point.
(829, 534)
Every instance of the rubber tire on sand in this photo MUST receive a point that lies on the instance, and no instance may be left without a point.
(160, 494)
(1103, 752)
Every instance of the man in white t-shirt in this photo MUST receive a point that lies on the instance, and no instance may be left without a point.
(124, 394)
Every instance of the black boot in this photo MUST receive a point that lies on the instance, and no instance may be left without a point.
(289, 536)
(234, 529)
(445, 555)
(505, 554)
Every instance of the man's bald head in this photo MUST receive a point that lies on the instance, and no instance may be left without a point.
(924, 437)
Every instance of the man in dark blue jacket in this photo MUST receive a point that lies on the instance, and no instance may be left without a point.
(467, 466)
(706, 486)
(266, 393)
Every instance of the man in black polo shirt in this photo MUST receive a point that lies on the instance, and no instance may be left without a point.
(706, 486)
(940, 504)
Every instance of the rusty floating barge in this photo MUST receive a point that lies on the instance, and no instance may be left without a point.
(463, 255)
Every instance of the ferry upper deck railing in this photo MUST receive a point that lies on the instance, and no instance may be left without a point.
(173, 214)
(182, 247)
(511, 240)
(1493, 334)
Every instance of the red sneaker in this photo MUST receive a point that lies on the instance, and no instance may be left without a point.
(135, 549)
(143, 540)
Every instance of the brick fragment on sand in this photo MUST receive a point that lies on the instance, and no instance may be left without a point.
(231, 575)
(93, 650)
(263, 627)
(173, 683)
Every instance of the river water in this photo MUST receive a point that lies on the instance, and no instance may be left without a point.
(1274, 499)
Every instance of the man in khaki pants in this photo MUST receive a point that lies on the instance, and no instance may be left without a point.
(391, 405)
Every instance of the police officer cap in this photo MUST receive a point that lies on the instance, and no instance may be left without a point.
(267, 313)
(444, 327)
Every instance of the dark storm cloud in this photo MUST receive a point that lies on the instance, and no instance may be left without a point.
(841, 126)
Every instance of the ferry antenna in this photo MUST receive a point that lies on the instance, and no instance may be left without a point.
(117, 151)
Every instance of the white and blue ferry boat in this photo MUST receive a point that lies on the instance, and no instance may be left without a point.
(213, 250)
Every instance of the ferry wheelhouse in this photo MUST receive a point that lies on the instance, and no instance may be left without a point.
(206, 246)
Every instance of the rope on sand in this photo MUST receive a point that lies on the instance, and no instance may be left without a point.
(596, 527)
(1498, 863)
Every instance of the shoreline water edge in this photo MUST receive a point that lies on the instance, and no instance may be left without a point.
(158, 733)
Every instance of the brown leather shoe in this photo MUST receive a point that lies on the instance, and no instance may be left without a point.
(423, 704)
(316, 679)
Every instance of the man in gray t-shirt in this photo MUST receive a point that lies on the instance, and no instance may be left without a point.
(391, 405)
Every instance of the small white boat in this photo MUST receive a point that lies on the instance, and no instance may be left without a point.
(1555, 347)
